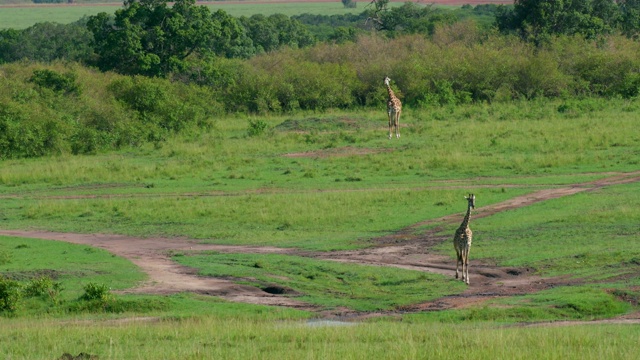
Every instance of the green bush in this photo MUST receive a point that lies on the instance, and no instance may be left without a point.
(60, 83)
(163, 106)
(256, 127)
(27, 132)
(96, 292)
(10, 295)
(43, 287)
(5, 257)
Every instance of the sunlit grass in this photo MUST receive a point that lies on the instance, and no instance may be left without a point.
(210, 337)
(23, 17)
(351, 185)
(590, 234)
(325, 283)
(72, 265)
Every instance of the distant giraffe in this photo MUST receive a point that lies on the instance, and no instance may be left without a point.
(462, 241)
(394, 108)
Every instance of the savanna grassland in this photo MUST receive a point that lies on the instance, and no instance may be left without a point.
(335, 182)
(254, 206)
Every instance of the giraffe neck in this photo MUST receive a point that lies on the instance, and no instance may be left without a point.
(391, 94)
(465, 221)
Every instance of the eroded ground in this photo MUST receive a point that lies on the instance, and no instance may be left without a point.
(407, 248)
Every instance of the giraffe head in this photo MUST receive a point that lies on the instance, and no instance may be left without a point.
(472, 200)
(387, 80)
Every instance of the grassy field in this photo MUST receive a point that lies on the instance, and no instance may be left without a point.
(333, 181)
(218, 337)
(23, 17)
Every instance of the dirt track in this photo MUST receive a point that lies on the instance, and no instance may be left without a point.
(402, 249)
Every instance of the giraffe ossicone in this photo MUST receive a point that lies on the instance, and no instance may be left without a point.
(394, 108)
(462, 240)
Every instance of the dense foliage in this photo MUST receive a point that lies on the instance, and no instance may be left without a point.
(47, 42)
(214, 64)
(539, 20)
(70, 109)
(149, 37)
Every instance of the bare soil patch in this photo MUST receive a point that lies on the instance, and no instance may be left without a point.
(406, 248)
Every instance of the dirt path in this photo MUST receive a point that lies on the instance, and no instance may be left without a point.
(403, 249)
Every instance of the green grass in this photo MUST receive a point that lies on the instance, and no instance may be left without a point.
(72, 265)
(209, 337)
(314, 220)
(588, 235)
(352, 185)
(23, 17)
(562, 303)
(325, 283)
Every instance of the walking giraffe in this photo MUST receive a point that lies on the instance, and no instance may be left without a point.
(394, 108)
(462, 241)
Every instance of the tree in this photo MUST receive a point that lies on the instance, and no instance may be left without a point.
(350, 4)
(408, 18)
(272, 32)
(538, 20)
(233, 42)
(148, 37)
(630, 17)
(46, 42)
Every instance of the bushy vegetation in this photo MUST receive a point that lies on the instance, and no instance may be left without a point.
(60, 108)
(53, 109)
(272, 64)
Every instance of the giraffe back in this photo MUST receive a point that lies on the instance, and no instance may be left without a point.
(462, 239)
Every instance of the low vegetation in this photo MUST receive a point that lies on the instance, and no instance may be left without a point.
(229, 185)
(286, 147)
(326, 284)
(216, 336)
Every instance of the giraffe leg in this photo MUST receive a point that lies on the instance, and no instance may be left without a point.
(458, 261)
(465, 268)
(390, 126)
(466, 260)
(398, 125)
(462, 263)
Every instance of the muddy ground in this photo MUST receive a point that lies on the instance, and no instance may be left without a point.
(407, 248)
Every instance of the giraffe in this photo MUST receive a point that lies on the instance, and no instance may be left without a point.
(462, 241)
(394, 108)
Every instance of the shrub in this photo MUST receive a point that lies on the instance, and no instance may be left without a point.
(43, 287)
(10, 294)
(27, 131)
(64, 84)
(163, 106)
(96, 292)
(256, 127)
(5, 257)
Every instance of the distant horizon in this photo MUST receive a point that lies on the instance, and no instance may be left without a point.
(14, 3)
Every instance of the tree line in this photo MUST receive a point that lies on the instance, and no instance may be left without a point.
(154, 38)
